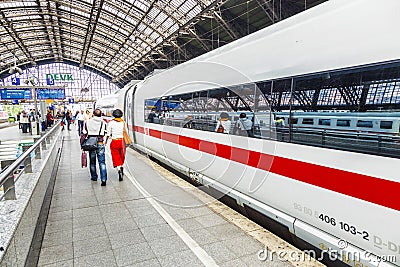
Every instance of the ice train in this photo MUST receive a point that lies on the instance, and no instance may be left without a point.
(341, 202)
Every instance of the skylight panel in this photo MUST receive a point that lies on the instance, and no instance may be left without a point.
(194, 12)
(143, 5)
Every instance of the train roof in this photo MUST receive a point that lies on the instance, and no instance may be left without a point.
(337, 34)
(107, 101)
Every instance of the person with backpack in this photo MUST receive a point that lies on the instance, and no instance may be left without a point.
(96, 127)
(243, 126)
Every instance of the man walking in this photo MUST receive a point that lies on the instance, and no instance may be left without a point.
(80, 117)
(95, 126)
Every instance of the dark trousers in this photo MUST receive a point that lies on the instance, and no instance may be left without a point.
(80, 127)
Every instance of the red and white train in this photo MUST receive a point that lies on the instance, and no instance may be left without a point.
(344, 203)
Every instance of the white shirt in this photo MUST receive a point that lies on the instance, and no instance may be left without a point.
(80, 117)
(115, 129)
(225, 124)
(94, 126)
(244, 124)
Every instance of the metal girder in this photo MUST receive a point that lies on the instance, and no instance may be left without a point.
(268, 9)
(169, 38)
(229, 30)
(237, 23)
(10, 30)
(314, 102)
(304, 100)
(201, 42)
(288, 9)
(94, 17)
(132, 32)
(349, 95)
(191, 50)
(52, 26)
(363, 98)
(190, 31)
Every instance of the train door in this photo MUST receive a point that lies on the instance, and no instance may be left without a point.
(128, 113)
(129, 107)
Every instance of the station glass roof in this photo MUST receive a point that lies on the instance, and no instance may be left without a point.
(112, 36)
(81, 84)
(127, 39)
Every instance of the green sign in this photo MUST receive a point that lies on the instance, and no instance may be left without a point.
(65, 77)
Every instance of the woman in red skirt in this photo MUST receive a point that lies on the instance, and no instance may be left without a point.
(115, 131)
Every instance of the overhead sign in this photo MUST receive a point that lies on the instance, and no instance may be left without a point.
(15, 81)
(63, 77)
(15, 94)
(50, 93)
(49, 81)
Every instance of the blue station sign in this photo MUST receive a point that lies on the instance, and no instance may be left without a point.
(51, 93)
(7, 94)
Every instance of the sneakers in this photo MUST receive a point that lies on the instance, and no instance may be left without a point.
(103, 183)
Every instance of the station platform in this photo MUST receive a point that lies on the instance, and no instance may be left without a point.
(151, 218)
(10, 138)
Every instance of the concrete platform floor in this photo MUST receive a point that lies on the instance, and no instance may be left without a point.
(152, 218)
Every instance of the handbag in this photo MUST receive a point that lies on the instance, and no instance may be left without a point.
(127, 138)
(220, 128)
(91, 142)
(84, 159)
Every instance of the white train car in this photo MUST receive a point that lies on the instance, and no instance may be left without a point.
(113, 101)
(344, 203)
(107, 104)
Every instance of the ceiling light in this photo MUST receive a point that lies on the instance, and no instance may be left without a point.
(15, 69)
(31, 80)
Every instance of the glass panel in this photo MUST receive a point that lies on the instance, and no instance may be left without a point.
(326, 122)
(386, 124)
(308, 121)
(365, 124)
(73, 78)
(343, 123)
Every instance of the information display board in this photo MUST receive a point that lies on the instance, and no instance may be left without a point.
(15, 94)
(50, 93)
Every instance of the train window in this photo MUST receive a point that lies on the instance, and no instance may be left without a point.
(308, 121)
(326, 122)
(364, 124)
(294, 120)
(343, 123)
(386, 124)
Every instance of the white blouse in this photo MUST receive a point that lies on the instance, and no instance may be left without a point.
(115, 129)
(225, 124)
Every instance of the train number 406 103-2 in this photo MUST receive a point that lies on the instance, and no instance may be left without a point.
(343, 226)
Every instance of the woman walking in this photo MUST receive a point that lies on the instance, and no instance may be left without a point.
(115, 130)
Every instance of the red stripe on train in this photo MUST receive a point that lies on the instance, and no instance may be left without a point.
(376, 190)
